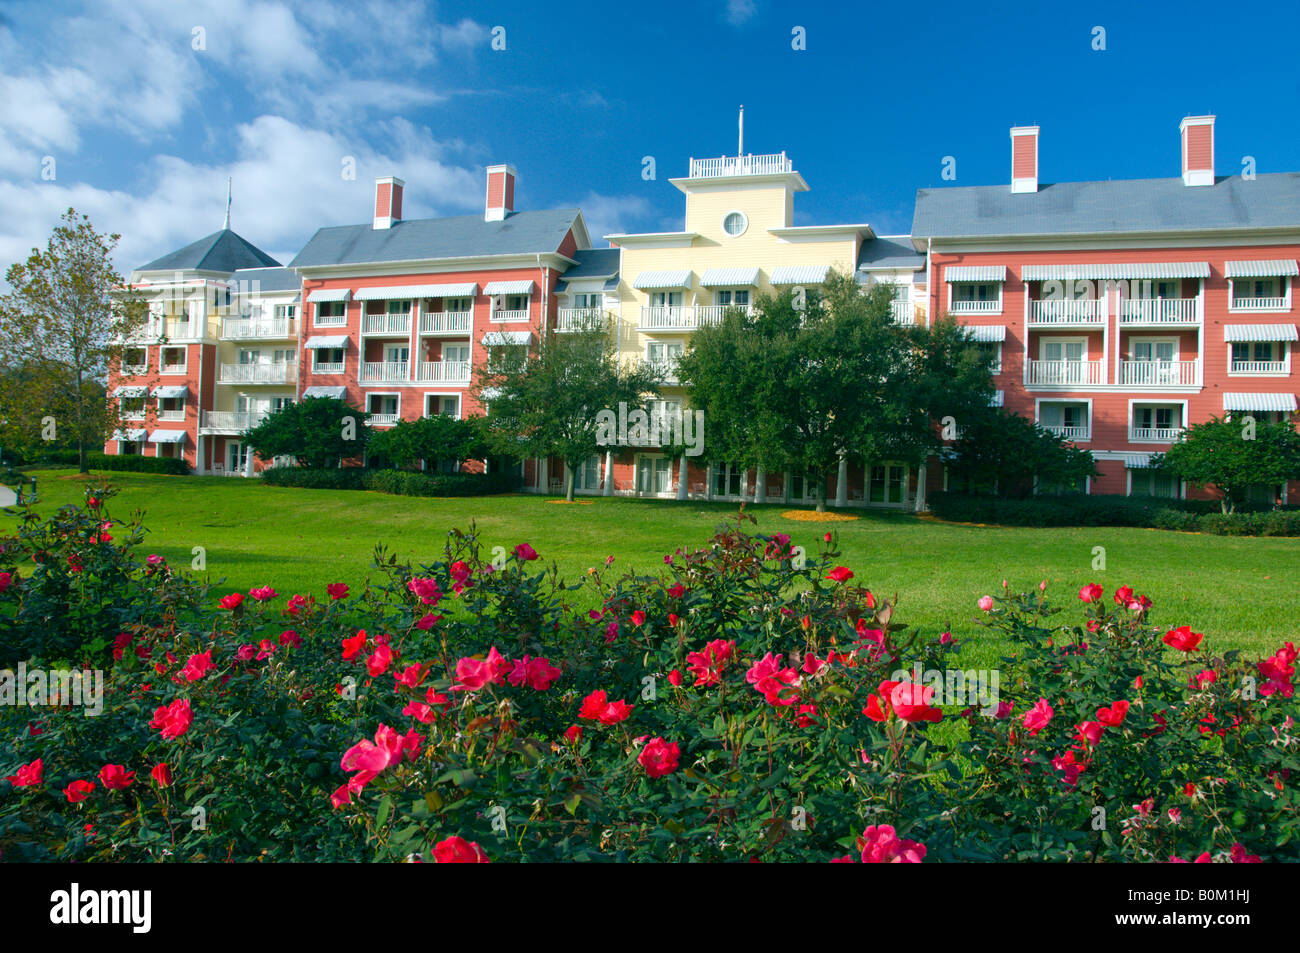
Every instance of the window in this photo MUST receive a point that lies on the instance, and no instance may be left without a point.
(135, 360)
(969, 291)
(1153, 483)
(331, 313)
(327, 360)
(588, 475)
(1259, 357)
(654, 474)
(992, 352)
(285, 312)
(171, 408)
(507, 356)
(173, 360)
(594, 300)
(735, 223)
(665, 299)
(382, 404)
(737, 299)
(1164, 349)
(665, 355)
(458, 305)
(728, 479)
(1160, 418)
(446, 406)
(887, 483)
(279, 403)
(132, 408)
(1261, 294)
(455, 352)
(665, 414)
(1063, 349)
(1265, 494)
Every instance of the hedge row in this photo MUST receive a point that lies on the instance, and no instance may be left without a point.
(1200, 516)
(98, 460)
(397, 482)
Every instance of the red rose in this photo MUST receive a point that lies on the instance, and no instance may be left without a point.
(457, 850)
(659, 757)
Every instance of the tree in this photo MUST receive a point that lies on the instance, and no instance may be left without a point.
(1232, 454)
(548, 402)
(430, 439)
(806, 379)
(63, 325)
(319, 431)
(997, 449)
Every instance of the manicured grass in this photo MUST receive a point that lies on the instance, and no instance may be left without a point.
(1239, 591)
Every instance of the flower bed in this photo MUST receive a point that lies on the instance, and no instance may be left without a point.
(746, 704)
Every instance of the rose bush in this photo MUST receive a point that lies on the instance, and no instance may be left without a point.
(743, 704)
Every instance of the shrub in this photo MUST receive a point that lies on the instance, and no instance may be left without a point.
(342, 478)
(398, 482)
(97, 460)
(745, 704)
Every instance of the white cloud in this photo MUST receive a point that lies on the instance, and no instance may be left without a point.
(612, 214)
(740, 11)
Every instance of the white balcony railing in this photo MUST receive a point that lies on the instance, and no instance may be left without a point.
(1259, 304)
(579, 319)
(239, 329)
(330, 320)
(668, 319)
(1260, 367)
(1064, 372)
(444, 372)
(268, 373)
(1081, 311)
(1163, 311)
(1154, 434)
(446, 322)
(771, 164)
(386, 323)
(373, 371)
(1080, 434)
(132, 370)
(327, 367)
(1160, 373)
(713, 313)
(231, 421)
(173, 369)
(666, 368)
(976, 307)
(171, 415)
(902, 312)
(509, 317)
(382, 420)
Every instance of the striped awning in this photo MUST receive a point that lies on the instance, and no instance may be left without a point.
(986, 333)
(507, 338)
(1235, 333)
(1259, 402)
(167, 436)
(800, 274)
(976, 273)
(1130, 271)
(326, 341)
(131, 435)
(129, 391)
(652, 280)
(321, 391)
(396, 292)
(329, 294)
(508, 288)
(1261, 269)
(170, 391)
(729, 278)
(1137, 461)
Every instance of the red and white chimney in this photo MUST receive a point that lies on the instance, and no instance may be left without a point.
(1198, 150)
(1024, 158)
(388, 201)
(500, 192)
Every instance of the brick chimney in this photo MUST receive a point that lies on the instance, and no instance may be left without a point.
(500, 192)
(1024, 158)
(1198, 150)
(388, 201)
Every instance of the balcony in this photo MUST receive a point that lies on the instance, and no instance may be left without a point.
(1077, 434)
(1259, 304)
(173, 369)
(1064, 373)
(1161, 312)
(258, 374)
(1263, 368)
(330, 320)
(509, 317)
(1052, 313)
(327, 367)
(389, 324)
(976, 307)
(383, 420)
(1160, 373)
(446, 322)
(133, 370)
(713, 313)
(579, 319)
(246, 329)
(1154, 434)
(230, 421)
(376, 372)
(667, 319)
(902, 312)
(444, 372)
(771, 164)
(171, 415)
(667, 369)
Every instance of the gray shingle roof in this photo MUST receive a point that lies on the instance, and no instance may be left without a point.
(1128, 205)
(890, 251)
(268, 279)
(464, 236)
(594, 263)
(222, 251)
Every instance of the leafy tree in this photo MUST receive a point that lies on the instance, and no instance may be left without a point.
(1232, 454)
(430, 439)
(547, 402)
(319, 431)
(995, 448)
(801, 382)
(63, 325)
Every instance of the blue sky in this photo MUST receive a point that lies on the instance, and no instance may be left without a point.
(144, 128)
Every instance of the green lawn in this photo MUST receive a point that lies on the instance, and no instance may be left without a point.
(1239, 591)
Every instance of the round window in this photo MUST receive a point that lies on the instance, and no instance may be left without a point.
(735, 223)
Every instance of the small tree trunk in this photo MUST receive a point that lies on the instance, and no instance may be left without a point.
(568, 482)
(83, 465)
(821, 494)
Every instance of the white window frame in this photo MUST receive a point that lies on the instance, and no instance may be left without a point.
(316, 362)
(164, 368)
(1284, 358)
(1286, 295)
(335, 321)
(440, 396)
(1044, 340)
(1038, 411)
(396, 394)
(1153, 341)
(953, 303)
(744, 223)
(639, 459)
(1133, 404)
(1181, 493)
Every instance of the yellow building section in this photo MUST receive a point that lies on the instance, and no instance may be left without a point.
(739, 241)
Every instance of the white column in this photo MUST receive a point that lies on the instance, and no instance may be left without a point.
(708, 481)
(842, 482)
(681, 478)
(248, 460)
(608, 489)
(760, 486)
(920, 488)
